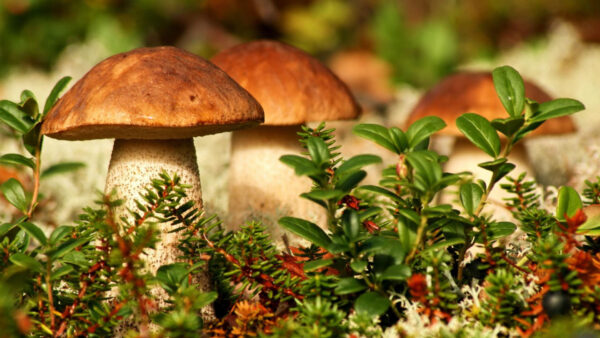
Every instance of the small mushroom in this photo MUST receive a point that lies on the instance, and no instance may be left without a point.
(474, 92)
(293, 88)
(153, 101)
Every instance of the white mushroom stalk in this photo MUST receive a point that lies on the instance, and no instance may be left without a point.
(261, 187)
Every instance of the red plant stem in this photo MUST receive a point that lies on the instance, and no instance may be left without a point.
(513, 264)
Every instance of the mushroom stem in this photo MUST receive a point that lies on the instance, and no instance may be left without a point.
(273, 191)
(134, 163)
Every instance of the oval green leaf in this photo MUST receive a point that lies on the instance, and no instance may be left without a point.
(480, 132)
(306, 230)
(15, 194)
(510, 89)
(372, 304)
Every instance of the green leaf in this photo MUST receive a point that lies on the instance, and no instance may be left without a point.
(378, 245)
(423, 128)
(508, 126)
(17, 159)
(470, 197)
(398, 272)
(33, 140)
(53, 97)
(349, 285)
(76, 258)
(13, 116)
(358, 266)
(29, 103)
(349, 182)
(502, 171)
(302, 166)
(206, 298)
(377, 134)
(317, 264)
(351, 224)
(59, 233)
(61, 168)
(398, 138)
(372, 304)
(556, 108)
(427, 170)
(34, 231)
(15, 194)
(493, 165)
(306, 230)
(510, 89)
(67, 247)
(6, 227)
(381, 191)
(568, 203)
(324, 195)
(355, 163)
(499, 230)
(318, 150)
(63, 270)
(26, 261)
(480, 132)
(171, 276)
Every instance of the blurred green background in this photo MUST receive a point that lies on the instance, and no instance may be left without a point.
(421, 40)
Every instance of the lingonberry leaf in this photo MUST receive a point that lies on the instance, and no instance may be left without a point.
(556, 108)
(378, 134)
(470, 196)
(349, 285)
(307, 230)
(420, 130)
(15, 194)
(510, 89)
(56, 90)
(372, 304)
(480, 132)
(568, 203)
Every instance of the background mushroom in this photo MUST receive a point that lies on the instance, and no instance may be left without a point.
(474, 92)
(293, 88)
(152, 101)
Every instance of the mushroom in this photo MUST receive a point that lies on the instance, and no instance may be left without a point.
(293, 88)
(475, 92)
(153, 101)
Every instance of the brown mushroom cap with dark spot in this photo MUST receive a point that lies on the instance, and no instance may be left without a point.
(474, 92)
(291, 86)
(151, 93)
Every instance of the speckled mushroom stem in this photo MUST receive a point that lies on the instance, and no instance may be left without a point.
(262, 188)
(134, 163)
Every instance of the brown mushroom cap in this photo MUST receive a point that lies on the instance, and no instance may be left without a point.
(474, 92)
(151, 93)
(292, 86)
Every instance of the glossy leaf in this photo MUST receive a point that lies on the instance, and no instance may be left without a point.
(398, 272)
(470, 197)
(15, 194)
(568, 203)
(35, 232)
(318, 150)
(324, 195)
(63, 270)
(358, 266)
(378, 245)
(557, 108)
(349, 285)
(503, 170)
(510, 89)
(381, 191)
(493, 165)
(17, 159)
(378, 134)
(61, 168)
(349, 182)
(355, 163)
(307, 230)
(67, 247)
(171, 276)
(351, 224)
(59, 233)
(317, 264)
(6, 227)
(423, 128)
(55, 93)
(302, 166)
(508, 126)
(372, 304)
(12, 115)
(480, 132)
(27, 262)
